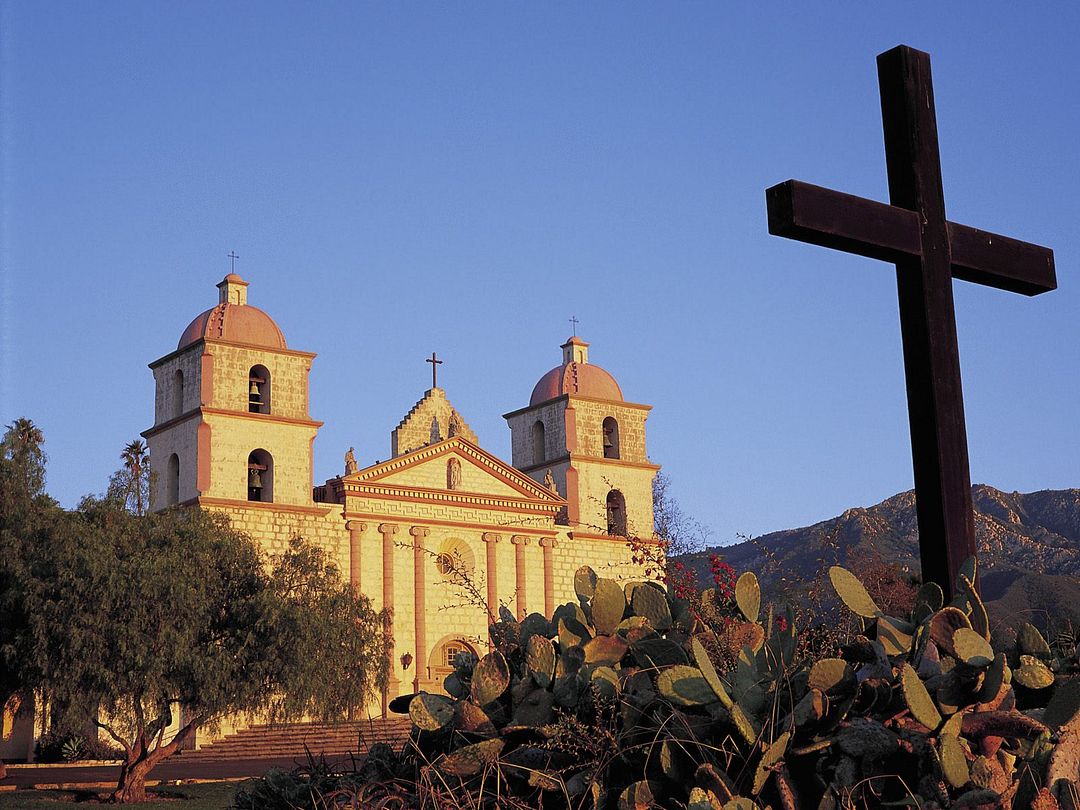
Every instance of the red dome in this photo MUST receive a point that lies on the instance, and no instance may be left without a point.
(577, 379)
(236, 323)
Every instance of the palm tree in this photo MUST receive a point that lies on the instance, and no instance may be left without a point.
(136, 460)
(22, 445)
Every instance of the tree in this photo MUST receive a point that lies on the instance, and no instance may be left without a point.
(130, 485)
(131, 618)
(21, 446)
(680, 533)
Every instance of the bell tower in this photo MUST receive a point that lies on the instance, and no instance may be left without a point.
(231, 420)
(579, 434)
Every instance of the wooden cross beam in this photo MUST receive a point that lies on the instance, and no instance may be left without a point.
(928, 251)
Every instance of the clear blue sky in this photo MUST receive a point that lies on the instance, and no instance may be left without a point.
(463, 177)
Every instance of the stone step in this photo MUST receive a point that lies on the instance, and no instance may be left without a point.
(298, 739)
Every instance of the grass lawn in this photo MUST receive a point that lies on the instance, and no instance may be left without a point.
(209, 796)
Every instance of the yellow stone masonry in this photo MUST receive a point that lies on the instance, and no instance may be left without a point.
(398, 529)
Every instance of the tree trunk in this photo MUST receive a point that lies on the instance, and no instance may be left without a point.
(138, 764)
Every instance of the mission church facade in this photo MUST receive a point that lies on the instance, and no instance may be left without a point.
(233, 432)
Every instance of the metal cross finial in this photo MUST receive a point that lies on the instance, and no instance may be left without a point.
(435, 363)
(573, 323)
(232, 256)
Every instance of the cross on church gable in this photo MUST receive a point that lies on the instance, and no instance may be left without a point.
(928, 251)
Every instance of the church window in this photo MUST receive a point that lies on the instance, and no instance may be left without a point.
(172, 481)
(452, 651)
(455, 561)
(538, 442)
(260, 476)
(453, 474)
(258, 390)
(177, 394)
(611, 438)
(616, 514)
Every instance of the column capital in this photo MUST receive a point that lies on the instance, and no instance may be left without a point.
(356, 525)
(388, 528)
(491, 537)
(549, 542)
(520, 539)
(419, 531)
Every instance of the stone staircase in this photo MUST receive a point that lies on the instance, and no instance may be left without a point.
(334, 741)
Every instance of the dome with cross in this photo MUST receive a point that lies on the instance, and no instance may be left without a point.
(576, 376)
(233, 320)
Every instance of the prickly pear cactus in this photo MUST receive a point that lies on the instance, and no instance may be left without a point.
(628, 697)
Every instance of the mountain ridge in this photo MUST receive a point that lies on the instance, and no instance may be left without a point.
(1028, 544)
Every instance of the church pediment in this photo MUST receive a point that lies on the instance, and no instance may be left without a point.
(454, 467)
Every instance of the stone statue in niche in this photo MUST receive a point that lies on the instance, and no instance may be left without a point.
(436, 430)
(350, 462)
(453, 474)
(455, 424)
(549, 482)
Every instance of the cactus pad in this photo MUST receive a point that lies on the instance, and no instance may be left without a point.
(748, 595)
(605, 650)
(685, 686)
(490, 678)
(708, 671)
(608, 605)
(852, 593)
(430, 712)
(831, 675)
(652, 603)
(471, 759)
(585, 580)
(773, 755)
(972, 648)
(918, 700)
(1031, 641)
(954, 762)
(540, 660)
(1033, 673)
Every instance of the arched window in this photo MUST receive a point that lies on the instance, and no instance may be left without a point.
(260, 476)
(611, 438)
(177, 394)
(616, 514)
(449, 653)
(258, 390)
(539, 450)
(172, 481)
(453, 474)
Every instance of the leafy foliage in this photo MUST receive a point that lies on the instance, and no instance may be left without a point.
(127, 617)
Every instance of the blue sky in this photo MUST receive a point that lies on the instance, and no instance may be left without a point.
(401, 178)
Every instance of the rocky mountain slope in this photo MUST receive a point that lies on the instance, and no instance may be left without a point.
(1029, 547)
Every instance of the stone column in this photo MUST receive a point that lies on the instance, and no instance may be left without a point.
(520, 541)
(490, 539)
(547, 544)
(356, 532)
(419, 605)
(388, 530)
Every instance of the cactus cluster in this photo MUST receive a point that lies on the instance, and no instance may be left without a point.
(622, 700)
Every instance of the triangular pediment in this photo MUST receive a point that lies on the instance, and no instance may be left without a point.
(426, 470)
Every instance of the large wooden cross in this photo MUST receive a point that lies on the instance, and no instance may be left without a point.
(929, 251)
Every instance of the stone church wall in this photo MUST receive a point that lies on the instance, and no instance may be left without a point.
(288, 379)
(589, 418)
